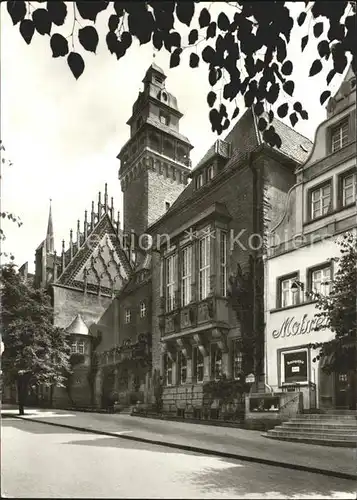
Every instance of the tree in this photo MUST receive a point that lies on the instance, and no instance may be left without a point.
(4, 214)
(340, 314)
(35, 352)
(246, 50)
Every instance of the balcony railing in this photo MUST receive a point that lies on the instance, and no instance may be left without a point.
(211, 310)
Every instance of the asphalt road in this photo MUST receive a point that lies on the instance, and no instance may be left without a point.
(40, 461)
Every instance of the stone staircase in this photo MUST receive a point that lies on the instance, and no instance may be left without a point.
(332, 428)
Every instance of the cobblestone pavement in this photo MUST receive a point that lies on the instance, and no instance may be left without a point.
(41, 461)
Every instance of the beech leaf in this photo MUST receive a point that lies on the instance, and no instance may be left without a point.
(88, 38)
(27, 29)
(76, 64)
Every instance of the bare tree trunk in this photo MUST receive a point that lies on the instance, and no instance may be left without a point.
(21, 394)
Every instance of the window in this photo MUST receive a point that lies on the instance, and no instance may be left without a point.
(349, 189)
(288, 294)
(339, 136)
(182, 367)
(170, 283)
(142, 310)
(210, 172)
(237, 358)
(167, 205)
(216, 362)
(204, 266)
(164, 119)
(197, 364)
(127, 315)
(223, 263)
(294, 366)
(199, 181)
(168, 370)
(320, 201)
(186, 276)
(77, 347)
(321, 280)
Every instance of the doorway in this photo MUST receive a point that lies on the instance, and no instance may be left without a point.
(345, 391)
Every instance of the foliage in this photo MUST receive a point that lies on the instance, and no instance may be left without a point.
(339, 309)
(35, 352)
(94, 365)
(223, 389)
(5, 214)
(246, 50)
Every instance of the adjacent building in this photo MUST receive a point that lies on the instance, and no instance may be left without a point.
(320, 208)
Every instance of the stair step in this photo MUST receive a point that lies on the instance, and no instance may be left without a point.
(315, 440)
(317, 426)
(320, 435)
(325, 416)
(326, 432)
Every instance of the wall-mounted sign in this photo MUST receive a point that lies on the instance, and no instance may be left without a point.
(292, 326)
(295, 367)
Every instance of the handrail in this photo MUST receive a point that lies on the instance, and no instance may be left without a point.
(290, 401)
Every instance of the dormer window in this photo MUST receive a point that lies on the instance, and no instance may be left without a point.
(199, 181)
(164, 119)
(164, 96)
(339, 135)
(210, 173)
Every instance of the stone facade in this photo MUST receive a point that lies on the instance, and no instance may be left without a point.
(235, 197)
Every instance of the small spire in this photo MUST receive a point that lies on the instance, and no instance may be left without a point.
(71, 244)
(63, 256)
(105, 197)
(111, 208)
(118, 221)
(54, 265)
(92, 215)
(50, 236)
(78, 234)
(99, 205)
(85, 225)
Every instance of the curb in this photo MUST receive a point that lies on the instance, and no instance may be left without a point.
(203, 451)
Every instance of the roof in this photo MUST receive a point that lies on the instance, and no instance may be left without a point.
(244, 138)
(220, 148)
(78, 326)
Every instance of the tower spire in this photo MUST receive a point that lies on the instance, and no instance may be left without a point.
(50, 244)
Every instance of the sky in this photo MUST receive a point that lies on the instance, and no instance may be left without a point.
(62, 135)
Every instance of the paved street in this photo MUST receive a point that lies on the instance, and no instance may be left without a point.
(40, 460)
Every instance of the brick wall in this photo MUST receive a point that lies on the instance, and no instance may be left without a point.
(135, 204)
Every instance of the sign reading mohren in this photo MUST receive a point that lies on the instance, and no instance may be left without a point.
(291, 326)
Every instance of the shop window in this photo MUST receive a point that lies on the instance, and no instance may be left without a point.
(348, 184)
(197, 365)
(197, 413)
(320, 201)
(339, 135)
(320, 280)
(294, 366)
(288, 293)
(216, 362)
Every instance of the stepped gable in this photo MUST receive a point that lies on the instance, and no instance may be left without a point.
(96, 262)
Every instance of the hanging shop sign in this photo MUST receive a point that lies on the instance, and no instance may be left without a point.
(292, 326)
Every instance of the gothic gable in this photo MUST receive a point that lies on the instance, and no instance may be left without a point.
(100, 265)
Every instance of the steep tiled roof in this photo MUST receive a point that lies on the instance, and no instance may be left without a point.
(244, 138)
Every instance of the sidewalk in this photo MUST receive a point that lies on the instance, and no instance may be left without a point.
(212, 440)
